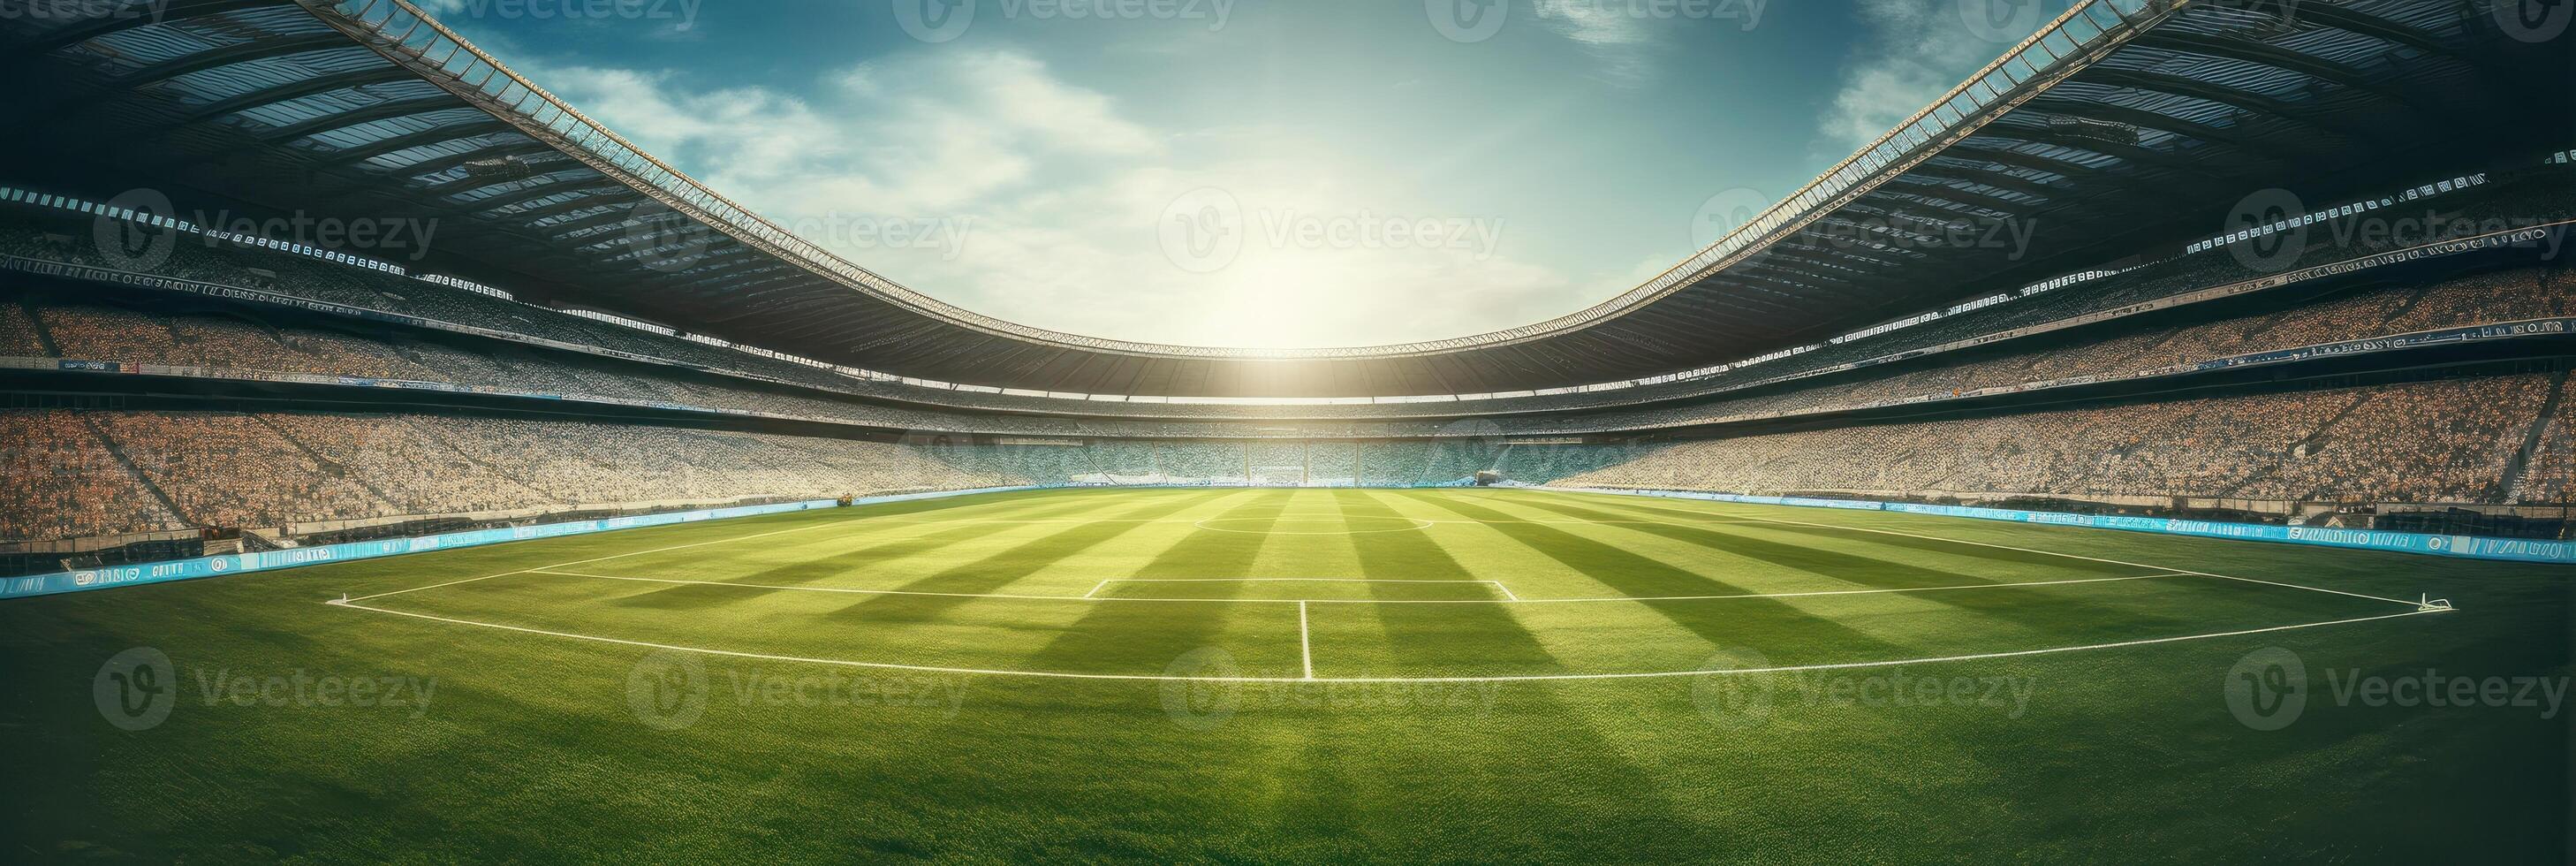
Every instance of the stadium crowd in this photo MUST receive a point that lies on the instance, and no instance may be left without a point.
(239, 342)
(110, 472)
(2439, 441)
(2477, 209)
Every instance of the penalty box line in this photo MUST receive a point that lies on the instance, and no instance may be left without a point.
(1310, 678)
(1511, 599)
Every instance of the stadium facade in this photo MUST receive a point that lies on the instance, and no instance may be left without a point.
(2284, 262)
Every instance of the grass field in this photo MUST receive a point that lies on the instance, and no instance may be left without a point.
(1306, 675)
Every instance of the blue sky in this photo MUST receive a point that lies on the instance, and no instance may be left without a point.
(1241, 172)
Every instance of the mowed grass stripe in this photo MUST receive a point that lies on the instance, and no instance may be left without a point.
(1054, 544)
(1790, 530)
(1141, 636)
(843, 557)
(1737, 622)
(2040, 609)
(1604, 637)
(1469, 638)
(1615, 797)
(1410, 640)
(1997, 564)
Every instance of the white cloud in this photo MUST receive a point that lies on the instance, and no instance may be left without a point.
(1615, 39)
(1060, 196)
(1915, 51)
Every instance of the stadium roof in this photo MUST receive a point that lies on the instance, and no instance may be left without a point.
(2124, 124)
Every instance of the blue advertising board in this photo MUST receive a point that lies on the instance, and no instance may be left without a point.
(2467, 546)
(271, 560)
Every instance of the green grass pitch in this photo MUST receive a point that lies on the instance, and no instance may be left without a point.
(1300, 675)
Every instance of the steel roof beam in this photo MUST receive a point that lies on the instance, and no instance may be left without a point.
(2164, 122)
(218, 58)
(110, 24)
(2354, 21)
(629, 201)
(565, 230)
(424, 138)
(358, 116)
(2125, 152)
(2082, 175)
(2176, 85)
(1955, 195)
(2266, 54)
(1988, 177)
(471, 183)
(489, 207)
(297, 90)
(417, 170)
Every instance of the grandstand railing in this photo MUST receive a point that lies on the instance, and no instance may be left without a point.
(1621, 420)
(1066, 402)
(404, 34)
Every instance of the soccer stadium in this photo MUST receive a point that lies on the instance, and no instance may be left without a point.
(537, 431)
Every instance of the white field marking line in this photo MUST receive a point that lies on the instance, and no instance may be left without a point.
(1095, 589)
(1484, 679)
(1305, 642)
(618, 556)
(1510, 599)
(2178, 571)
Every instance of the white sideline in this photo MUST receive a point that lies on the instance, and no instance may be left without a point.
(1312, 679)
(1508, 598)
